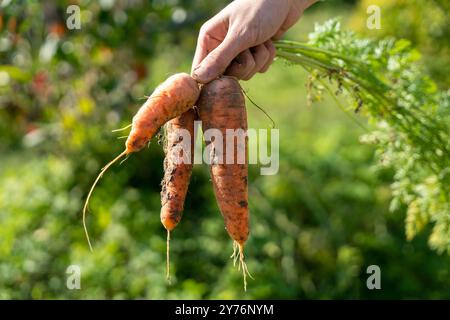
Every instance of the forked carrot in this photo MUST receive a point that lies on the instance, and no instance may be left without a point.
(169, 100)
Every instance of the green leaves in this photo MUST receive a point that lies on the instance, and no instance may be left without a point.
(385, 81)
(15, 73)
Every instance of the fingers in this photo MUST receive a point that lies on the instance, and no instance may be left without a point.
(205, 44)
(294, 14)
(279, 34)
(261, 56)
(251, 61)
(272, 53)
(220, 49)
(214, 63)
(242, 66)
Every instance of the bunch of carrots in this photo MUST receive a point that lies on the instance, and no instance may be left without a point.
(177, 103)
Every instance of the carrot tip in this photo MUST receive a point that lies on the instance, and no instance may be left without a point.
(168, 257)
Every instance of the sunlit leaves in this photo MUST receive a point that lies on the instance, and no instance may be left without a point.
(411, 116)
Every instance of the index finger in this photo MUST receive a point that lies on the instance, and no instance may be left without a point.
(205, 44)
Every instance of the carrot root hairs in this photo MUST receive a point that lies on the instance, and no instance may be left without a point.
(106, 167)
(235, 255)
(242, 265)
(238, 254)
(168, 257)
(121, 129)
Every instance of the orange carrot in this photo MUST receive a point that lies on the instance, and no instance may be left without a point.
(222, 106)
(177, 171)
(170, 99)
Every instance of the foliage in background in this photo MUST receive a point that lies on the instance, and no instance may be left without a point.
(411, 117)
(425, 23)
(315, 226)
(105, 63)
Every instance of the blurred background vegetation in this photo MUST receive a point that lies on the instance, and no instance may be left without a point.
(315, 227)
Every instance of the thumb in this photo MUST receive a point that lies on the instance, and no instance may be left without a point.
(216, 62)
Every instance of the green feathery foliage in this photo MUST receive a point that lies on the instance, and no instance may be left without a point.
(410, 117)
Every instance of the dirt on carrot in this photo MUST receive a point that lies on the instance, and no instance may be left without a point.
(170, 99)
(222, 107)
(178, 162)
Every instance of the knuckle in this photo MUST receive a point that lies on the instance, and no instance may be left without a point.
(238, 71)
(247, 77)
(244, 33)
(248, 69)
(204, 29)
(250, 66)
(273, 52)
(265, 55)
(271, 49)
(250, 63)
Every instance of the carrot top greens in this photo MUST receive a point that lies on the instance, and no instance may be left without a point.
(409, 118)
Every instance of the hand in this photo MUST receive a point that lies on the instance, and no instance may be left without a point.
(238, 40)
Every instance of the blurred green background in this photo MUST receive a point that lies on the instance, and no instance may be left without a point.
(315, 226)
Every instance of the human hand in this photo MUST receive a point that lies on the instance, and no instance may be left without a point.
(238, 40)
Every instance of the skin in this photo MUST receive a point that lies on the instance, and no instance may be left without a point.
(170, 99)
(176, 175)
(238, 40)
(222, 106)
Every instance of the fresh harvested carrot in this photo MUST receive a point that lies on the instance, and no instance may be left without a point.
(222, 106)
(177, 171)
(169, 100)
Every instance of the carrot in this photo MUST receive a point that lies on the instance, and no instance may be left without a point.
(170, 99)
(222, 106)
(177, 171)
